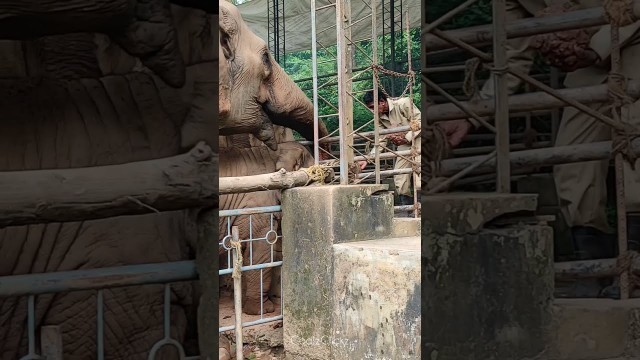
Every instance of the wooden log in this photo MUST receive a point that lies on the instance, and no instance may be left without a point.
(538, 157)
(528, 102)
(483, 35)
(59, 195)
(279, 180)
(589, 269)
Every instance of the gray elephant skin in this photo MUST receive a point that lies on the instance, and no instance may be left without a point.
(91, 99)
(255, 93)
(261, 105)
(244, 156)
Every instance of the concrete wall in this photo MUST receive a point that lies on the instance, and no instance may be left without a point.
(488, 290)
(351, 281)
(377, 299)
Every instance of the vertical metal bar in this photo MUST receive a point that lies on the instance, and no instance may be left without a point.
(314, 66)
(167, 311)
(555, 113)
(31, 324)
(413, 140)
(619, 166)
(503, 183)
(250, 239)
(392, 33)
(261, 295)
(283, 31)
(376, 116)
(100, 325)
(345, 107)
(237, 291)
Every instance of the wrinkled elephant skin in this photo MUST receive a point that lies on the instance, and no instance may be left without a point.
(88, 102)
(255, 92)
(254, 160)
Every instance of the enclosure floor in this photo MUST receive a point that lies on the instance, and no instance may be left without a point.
(261, 342)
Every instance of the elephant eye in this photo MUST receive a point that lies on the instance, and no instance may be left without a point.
(225, 42)
(266, 61)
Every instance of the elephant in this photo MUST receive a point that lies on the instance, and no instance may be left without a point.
(255, 93)
(259, 107)
(244, 156)
(83, 100)
(144, 28)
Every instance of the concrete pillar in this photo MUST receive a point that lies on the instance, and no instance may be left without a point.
(487, 281)
(313, 220)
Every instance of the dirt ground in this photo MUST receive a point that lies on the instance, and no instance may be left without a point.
(261, 342)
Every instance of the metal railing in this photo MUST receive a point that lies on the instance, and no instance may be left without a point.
(270, 237)
(32, 285)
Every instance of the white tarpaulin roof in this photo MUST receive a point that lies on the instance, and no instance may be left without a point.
(297, 26)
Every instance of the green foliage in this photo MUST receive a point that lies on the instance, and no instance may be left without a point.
(477, 14)
(299, 66)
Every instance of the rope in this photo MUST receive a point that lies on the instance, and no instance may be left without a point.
(237, 264)
(317, 173)
(437, 148)
(622, 139)
(470, 85)
(415, 125)
(624, 264)
(619, 12)
(411, 76)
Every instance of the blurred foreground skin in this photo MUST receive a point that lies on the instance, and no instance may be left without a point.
(86, 102)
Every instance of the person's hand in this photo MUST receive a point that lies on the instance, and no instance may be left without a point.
(566, 50)
(586, 58)
(398, 139)
(455, 130)
(324, 155)
(362, 164)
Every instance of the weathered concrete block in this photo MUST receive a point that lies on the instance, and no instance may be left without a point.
(487, 293)
(314, 219)
(594, 329)
(464, 213)
(377, 299)
(406, 227)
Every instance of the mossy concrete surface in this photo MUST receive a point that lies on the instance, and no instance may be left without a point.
(377, 299)
(404, 227)
(595, 329)
(488, 292)
(313, 220)
(465, 213)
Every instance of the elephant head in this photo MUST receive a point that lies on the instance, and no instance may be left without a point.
(255, 92)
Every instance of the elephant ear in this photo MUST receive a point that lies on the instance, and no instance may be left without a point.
(229, 29)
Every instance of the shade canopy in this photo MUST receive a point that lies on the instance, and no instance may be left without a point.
(297, 24)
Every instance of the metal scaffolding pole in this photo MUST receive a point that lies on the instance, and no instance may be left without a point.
(345, 102)
(314, 66)
(376, 116)
(500, 67)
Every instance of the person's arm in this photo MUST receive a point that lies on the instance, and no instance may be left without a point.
(601, 40)
(412, 113)
(519, 57)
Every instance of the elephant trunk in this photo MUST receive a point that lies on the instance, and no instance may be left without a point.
(288, 106)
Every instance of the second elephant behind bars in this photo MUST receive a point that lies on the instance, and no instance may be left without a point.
(244, 155)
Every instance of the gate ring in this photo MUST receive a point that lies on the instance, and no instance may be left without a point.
(271, 233)
(224, 242)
